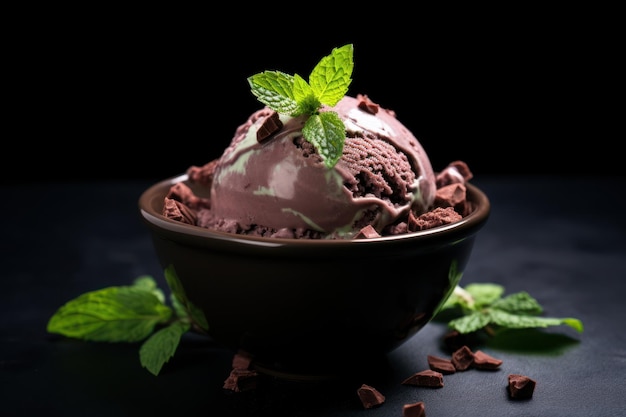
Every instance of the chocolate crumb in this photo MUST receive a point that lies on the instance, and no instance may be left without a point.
(485, 361)
(521, 386)
(270, 125)
(445, 366)
(427, 378)
(369, 396)
(241, 380)
(462, 358)
(414, 410)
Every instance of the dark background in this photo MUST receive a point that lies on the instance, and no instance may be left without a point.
(133, 95)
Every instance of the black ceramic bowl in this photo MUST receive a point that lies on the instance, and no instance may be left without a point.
(310, 307)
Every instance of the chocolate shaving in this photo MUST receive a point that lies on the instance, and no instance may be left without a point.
(176, 210)
(427, 378)
(442, 365)
(521, 386)
(269, 125)
(414, 410)
(369, 396)
(462, 358)
(182, 193)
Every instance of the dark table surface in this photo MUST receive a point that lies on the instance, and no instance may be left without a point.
(561, 240)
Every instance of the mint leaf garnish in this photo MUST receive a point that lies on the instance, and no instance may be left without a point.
(294, 96)
(483, 306)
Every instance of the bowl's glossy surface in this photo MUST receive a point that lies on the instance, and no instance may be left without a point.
(309, 306)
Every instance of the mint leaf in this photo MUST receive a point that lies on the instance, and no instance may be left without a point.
(161, 346)
(113, 314)
(484, 293)
(275, 90)
(331, 76)
(148, 283)
(520, 321)
(483, 307)
(293, 96)
(519, 303)
(327, 133)
(470, 323)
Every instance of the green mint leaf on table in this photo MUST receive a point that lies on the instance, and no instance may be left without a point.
(113, 314)
(181, 302)
(132, 313)
(483, 306)
(294, 96)
(161, 346)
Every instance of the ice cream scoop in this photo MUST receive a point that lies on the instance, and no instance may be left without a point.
(281, 184)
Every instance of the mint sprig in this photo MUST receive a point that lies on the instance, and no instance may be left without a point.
(484, 307)
(132, 313)
(293, 96)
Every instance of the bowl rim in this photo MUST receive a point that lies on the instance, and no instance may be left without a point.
(155, 194)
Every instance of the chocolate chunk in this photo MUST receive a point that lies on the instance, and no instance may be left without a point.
(455, 172)
(451, 195)
(485, 361)
(414, 410)
(366, 104)
(445, 366)
(462, 358)
(370, 397)
(437, 217)
(241, 380)
(367, 232)
(202, 175)
(270, 125)
(427, 378)
(521, 386)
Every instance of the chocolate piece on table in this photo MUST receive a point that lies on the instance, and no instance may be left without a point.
(369, 396)
(445, 366)
(485, 361)
(414, 410)
(242, 360)
(521, 386)
(241, 380)
(462, 358)
(426, 378)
